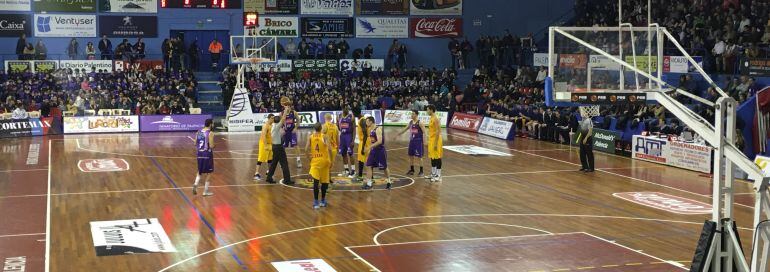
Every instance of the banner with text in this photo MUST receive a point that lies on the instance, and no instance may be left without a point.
(755, 67)
(278, 26)
(643, 63)
(497, 128)
(403, 117)
(604, 140)
(280, 66)
(674, 153)
(128, 26)
(43, 6)
(382, 27)
(64, 25)
(435, 27)
(575, 61)
(15, 5)
(88, 65)
(316, 65)
(327, 7)
(467, 122)
(28, 127)
(101, 124)
(239, 115)
(382, 7)
(282, 7)
(377, 114)
(129, 6)
(186, 122)
(13, 25)
(349, 64)
(541, 59)
(327, 27)
(257, 6)
(678, 64)
(447, 7)
(33, 66)
(139, 65)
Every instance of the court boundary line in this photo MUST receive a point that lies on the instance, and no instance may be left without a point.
(598, 169)
(376, 242)
(24, 170)
(21, 235)
(358, 257)
(634, 250)
(425, 217)
(48, 213)
(137, 190)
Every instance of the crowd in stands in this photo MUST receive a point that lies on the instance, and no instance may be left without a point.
(139, 92)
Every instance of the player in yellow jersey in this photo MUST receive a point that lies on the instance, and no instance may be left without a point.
(363, 144)
(319, 153)
(265, 146)
(332, 134)
(435, 145)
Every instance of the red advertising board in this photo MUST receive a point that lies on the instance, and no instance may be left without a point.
(140, 65)
(577, 61)
(435, 27)
(467, 122)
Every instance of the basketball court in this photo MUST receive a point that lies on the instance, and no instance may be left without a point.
(526, 209)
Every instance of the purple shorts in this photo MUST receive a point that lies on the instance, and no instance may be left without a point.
(205, 162)
(415, 149)
(346, 145)
(290, 139)
(377, 158)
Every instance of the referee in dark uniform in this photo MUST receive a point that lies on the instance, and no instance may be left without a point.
(585, 130)
(279, 152)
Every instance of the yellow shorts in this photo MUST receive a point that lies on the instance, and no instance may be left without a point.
(435, 151)
(265, 154)
(319, 169)
(362, 158)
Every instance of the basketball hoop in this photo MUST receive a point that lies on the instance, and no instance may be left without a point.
(589, 111)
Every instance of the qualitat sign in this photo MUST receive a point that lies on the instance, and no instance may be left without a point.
(382, 27)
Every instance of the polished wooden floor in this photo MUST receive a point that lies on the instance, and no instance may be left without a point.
(247, 225)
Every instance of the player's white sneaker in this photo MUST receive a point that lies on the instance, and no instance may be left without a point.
(428, 177)
(343, 173)
(435, 179)
(208, 194)
(299, 163)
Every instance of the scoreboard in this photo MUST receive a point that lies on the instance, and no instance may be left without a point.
(210, 4)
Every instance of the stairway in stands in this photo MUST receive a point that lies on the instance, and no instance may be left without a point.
(209, 93)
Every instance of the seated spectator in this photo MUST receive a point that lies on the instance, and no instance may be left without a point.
(19, 112)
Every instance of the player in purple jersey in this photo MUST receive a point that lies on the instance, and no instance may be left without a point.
(290, 136)
(378, 157)
(346, 123)
(204, 145)
(416, 143)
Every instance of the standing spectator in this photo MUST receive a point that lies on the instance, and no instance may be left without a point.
(215, 48)
(139, 49)
(401, 56)
(180, 52)
(194, 55)
(320, 50)
(165, 48)
(368, 51)
(105, 48)
(291, 49)
(342, 48)
(72, 49)
(303, 49)
(41, 51)
(20, 44)
(465, 49)
(454, 48)
(29, 52)
(90, 51)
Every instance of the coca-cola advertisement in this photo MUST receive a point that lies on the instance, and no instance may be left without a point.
(435, 27)
(436, 7)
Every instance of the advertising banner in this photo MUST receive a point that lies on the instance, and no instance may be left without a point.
(541, 59)
(139, 65)
(382, 27)
(475, 150)
(13, 25)
(128, 26)
(497, 128)
(446, 7)
(43, 6)
(348, 64)
(467, 122)
(382, 7)
(377, 114)
(307, 118)
(101, 124)
(64, 25)
(18, 66)
(600, 62)
(282, 7)
(317, 265)
(239, 115)
(604, 140)
(316, 65)
(575, 61)
(254, 6)
(45, 66)
(129, 6)
(127, 237)
(186, 122)
(435, 27)
(327, 27)
(278, 26)
(674, 153)
(643, 62)
(402, 117)
(281, 66)
(15, 5)
(87, 64)
(327, 7)
(609, 98)
(28, 127)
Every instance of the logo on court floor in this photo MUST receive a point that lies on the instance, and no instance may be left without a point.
(666, 202)
(348, 184)
(103, 165)
(133, 236)
(474, 150)
(318, 265)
